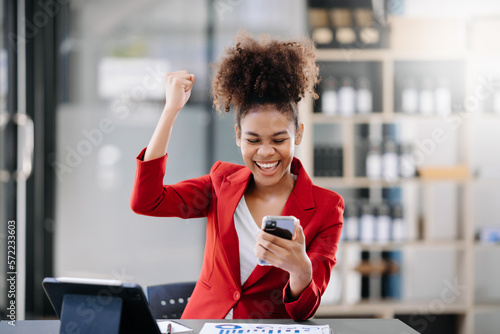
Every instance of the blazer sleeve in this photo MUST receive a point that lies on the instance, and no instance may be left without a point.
(321, 251)
(187, 199)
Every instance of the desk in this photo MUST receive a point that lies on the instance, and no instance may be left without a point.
(339, 326)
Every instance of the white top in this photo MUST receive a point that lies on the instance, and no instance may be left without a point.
(247, 230)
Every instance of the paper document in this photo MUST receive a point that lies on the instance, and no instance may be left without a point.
(176, 327)
(243, 328)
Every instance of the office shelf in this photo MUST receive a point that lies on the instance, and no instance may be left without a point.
(415, 244)
(387, 309)
(486, 246)
(377, 117)
(360, 182)
(364, 182)
(487, 307)
(456, 65)
(392, 55)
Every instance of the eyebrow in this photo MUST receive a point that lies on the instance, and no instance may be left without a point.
(273, 135)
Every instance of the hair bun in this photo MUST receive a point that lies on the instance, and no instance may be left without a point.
(265, 71)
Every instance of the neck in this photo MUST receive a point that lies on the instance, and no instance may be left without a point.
(283, 188)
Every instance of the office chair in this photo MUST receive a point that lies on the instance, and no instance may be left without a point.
(167, 301)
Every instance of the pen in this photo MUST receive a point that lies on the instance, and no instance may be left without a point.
(169, 328)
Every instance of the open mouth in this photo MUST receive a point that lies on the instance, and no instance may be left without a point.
(267, 166)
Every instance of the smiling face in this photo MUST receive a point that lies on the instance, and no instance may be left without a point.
(267, 139)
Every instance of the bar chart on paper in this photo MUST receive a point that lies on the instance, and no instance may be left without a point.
(242, 328)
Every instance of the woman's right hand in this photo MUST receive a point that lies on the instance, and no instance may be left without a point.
(178, 87)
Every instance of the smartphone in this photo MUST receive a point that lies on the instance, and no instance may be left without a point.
(281, 226)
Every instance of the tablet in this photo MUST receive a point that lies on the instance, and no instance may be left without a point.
(136, 316)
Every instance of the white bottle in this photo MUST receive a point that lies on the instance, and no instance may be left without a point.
(351, 223)
(384, 222)
(426, 97)
(409, 96)
(399, 232)
(442, 97)
(329, 100)
(364, 100)
(374, 162)
(367, 224)
(390, 161)
(347, 97)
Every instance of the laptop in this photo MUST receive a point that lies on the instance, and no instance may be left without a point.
(93, 305)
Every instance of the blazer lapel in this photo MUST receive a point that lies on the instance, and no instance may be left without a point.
(300, 204)
(232, 189)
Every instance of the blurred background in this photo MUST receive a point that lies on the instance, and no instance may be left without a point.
(406, 129)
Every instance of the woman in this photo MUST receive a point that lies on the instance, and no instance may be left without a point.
(263, 80)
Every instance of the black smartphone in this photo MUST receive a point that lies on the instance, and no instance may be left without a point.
(281, 226)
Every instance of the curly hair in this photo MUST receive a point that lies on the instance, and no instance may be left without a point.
(266, 71)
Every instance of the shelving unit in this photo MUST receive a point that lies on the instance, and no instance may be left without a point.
(387, 309)
(428, 244)
(462, 245)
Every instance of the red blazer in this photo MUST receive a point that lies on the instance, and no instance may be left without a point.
(215, 196)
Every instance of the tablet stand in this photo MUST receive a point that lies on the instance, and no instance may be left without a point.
(85, 314)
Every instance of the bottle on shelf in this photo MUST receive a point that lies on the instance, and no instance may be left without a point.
(347, 97)
(375, 278)
(390, 161)
(320, 160)
(442, 96)
(409, 96)
(374, 161)
(384, 222)
(341, 19)
(426, 96)
(380, 273)
(328, 160)
(365, 270)
(321, 32)
(367, 224)
(329, 100)
(338, 158)
(392, 275)
(364, 104)
(368, 32)
(399, 232)
(407, 161)
(351, 222)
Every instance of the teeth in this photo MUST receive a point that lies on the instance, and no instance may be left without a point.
(263, 165)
